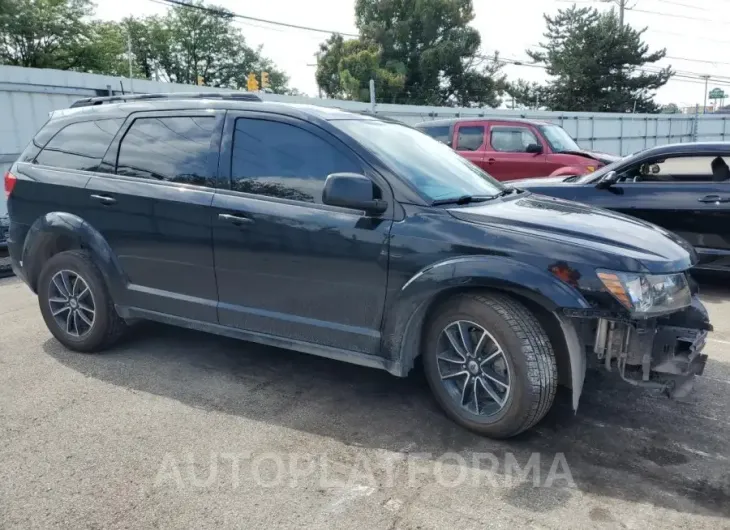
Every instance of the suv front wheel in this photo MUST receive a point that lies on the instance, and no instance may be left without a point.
(75, 303)
(490, 364)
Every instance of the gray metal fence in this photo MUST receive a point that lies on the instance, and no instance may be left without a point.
(27, 95)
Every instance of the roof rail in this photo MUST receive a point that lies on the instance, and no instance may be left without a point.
(239, 96)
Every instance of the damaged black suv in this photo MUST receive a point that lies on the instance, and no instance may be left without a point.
(349, 237)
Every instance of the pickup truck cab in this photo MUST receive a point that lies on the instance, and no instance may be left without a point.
(511, 149)
(345, 236)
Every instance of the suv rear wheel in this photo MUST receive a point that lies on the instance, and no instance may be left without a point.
(490, 364)
(75, 303)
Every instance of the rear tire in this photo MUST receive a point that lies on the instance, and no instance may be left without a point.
(490, 364)
(76, 305)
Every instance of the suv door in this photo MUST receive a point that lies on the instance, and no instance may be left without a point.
(286, 264)
(507, 157)
(469, 141)
(153, 207)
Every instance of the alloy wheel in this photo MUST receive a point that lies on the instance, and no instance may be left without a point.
(72, 303)
(473, 368)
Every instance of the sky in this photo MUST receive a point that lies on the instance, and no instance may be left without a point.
(692, 31)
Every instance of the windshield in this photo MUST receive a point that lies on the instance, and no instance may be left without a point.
(558, 139)
(431, 167)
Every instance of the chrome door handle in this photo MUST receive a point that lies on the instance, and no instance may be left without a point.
(104, 199)
(715, 198)
(235, 219)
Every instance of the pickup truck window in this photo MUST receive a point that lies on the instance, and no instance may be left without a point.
(281, 160)
(80, 145)
(173, 149)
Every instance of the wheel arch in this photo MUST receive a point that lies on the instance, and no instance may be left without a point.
(541, 293)
(57, 232)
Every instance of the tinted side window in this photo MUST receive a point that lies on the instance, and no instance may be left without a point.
(512, 139)
(470, 138)
(174, 149)
(440, 133)
(682, 169)
(79, 145)
(281, 160)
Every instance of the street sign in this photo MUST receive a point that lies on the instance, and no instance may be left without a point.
(717, 93)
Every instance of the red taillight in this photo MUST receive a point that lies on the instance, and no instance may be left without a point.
(10, 181)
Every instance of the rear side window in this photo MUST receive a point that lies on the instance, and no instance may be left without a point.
(173, 149)
(470, 138)
(440, 133)
(281, 160)
(79, 145)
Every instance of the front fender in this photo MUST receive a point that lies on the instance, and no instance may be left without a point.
(408, 308)
(46, 231)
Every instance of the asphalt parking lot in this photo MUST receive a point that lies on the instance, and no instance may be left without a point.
(178, 429)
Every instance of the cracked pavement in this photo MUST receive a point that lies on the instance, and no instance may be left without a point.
(174, 428)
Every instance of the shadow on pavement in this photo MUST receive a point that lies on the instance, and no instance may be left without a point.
(623, 443)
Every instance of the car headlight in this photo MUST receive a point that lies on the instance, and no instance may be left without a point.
(648, 294)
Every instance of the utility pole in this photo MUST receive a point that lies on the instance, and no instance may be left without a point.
(622, 7)
(704, 105)
(129, 54)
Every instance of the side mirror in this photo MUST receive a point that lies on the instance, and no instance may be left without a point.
(607, 180)
(534, 149)
(351, 190)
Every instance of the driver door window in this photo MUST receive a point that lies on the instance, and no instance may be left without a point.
(512, 139)
(681, 169)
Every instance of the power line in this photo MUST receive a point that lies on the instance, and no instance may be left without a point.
(230, 14)
(688, 6)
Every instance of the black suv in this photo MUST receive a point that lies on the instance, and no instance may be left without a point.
(349, 237)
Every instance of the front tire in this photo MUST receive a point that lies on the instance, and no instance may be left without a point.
(490, 364)
(76, 305)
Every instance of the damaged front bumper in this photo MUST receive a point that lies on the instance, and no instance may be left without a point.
(664, 353)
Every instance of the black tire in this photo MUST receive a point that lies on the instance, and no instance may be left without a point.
(107, 326)
(532, 371)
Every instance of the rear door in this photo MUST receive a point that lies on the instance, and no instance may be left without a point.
(469, 141)
(507, 157)
(152, 205)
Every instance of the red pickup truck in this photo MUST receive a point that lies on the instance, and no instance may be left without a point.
(511, 149)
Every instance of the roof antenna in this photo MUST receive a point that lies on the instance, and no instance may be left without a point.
(121, 85)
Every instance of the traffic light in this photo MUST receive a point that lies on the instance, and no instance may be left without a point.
(252, 84)
(265, 80)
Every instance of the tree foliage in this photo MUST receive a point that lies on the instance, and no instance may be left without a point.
(185, 45)
(596, 65)
(40, 33)
(417, 51)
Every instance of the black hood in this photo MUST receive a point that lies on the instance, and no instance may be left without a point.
(596, 235)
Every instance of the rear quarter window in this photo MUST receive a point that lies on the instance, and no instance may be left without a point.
(438, 132)
(79, 145)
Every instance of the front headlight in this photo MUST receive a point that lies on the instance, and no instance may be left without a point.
(648, 294)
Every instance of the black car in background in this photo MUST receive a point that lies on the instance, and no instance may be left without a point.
(684, 188)
(344, 236)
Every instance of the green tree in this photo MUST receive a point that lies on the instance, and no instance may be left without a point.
(670, 108)
(596, 64)
(40, 33)
(418, 51)
(346, 68)
(188, 44)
